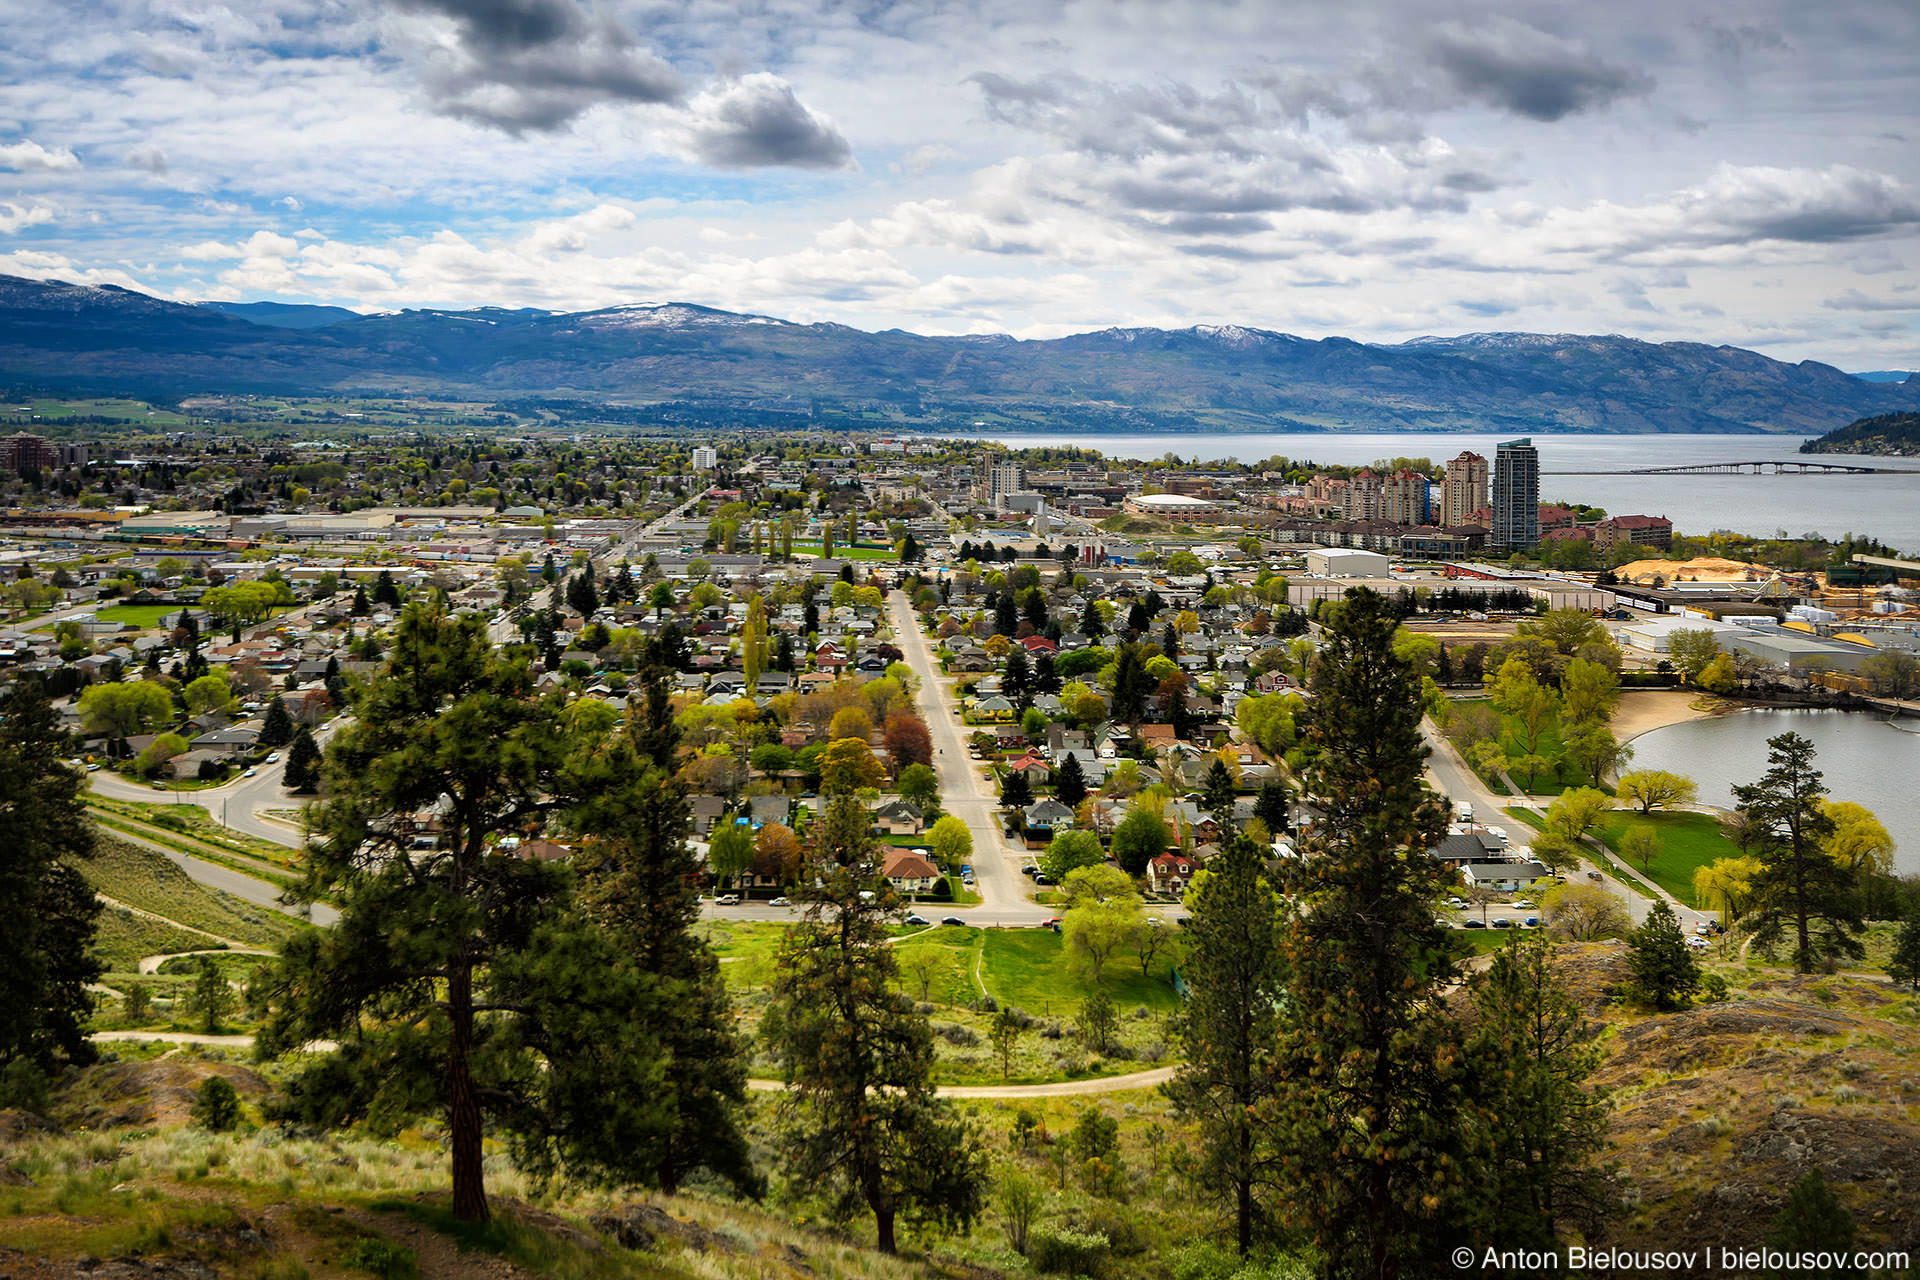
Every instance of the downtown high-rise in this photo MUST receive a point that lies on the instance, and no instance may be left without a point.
(1516, 495)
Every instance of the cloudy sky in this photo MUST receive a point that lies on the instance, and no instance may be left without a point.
(1746, 173)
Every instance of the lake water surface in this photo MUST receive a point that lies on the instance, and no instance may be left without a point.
(1884, 506)
(1864, 759)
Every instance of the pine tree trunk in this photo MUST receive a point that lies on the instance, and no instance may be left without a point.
(463, 1108)
(883, 1219)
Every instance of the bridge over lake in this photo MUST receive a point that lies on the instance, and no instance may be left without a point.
(1760, 467)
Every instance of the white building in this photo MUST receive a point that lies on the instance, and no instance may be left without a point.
(705, 457)
(1337, 562)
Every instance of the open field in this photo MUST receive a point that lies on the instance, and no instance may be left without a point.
(149, 882)
(122, 937)
(140, 615)
(843, 552)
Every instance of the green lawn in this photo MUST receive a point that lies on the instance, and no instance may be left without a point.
(1688, 841)
(140, 615)
(1030, 968)
(843, 552)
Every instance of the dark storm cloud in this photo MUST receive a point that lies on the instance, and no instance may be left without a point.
(758, 121)
(538, 65)
(1518, 68)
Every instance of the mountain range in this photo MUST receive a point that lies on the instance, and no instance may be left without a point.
(678, 362)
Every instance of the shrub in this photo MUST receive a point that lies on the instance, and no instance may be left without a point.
(1063, 1251)
(959, 1036)
(23, 1087)
(216, 1106)
(382, 1258)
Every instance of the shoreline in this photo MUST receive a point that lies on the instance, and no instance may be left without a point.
(1641, 711)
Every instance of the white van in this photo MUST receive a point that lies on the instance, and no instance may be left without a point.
(1463, 811)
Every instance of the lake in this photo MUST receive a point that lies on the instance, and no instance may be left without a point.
(1864, 758)
(1886, 507)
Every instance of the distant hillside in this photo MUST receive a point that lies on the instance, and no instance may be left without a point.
(1892, 435)
(284, 315)
(677, 362)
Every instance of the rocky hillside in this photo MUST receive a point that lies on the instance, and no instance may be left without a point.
(688, 364)
(1891, 435)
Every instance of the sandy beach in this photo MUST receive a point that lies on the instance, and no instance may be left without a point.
(1644, 710)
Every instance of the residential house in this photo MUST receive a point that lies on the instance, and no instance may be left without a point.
(909, 871)
(1170, 873)
(899, 818)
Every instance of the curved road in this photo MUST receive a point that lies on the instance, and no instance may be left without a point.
(1053, 1089)
(964, 790)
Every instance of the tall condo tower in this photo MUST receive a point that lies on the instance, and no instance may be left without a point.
(1464, 490)
(1516, 494)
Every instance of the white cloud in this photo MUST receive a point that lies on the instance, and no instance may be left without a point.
(14, 217)
(26, 156)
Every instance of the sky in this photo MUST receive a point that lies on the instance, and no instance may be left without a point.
(1740, 173)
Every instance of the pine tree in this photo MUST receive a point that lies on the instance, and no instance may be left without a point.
(1130, 686)
(277, 730)
(1372, 1120)
(1045, 678)
(1015, 680)
(860, 1120)
(1070, 783)
(642, 887)
(1665, 974)
(361, 606)
(1800, 888)
(1904, 965)
(1177, 714)
(1217, 797)
(1813, 1220)
(1006, 619)
(1228, 1029)
(1273, 805)
(465, 975)
(47, 910)
(384, 590)
(1092, 625)
(302, 772)
(1537, 1055)
(1015, 791)
(210, 998)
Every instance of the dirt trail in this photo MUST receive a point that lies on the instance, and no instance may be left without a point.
(1053, 1089)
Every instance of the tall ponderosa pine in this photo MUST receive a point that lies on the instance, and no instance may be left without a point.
(1217, 795)
(1227, 1028)
(1070, 784)
(1373, 1120)
(384, 590)
(1800, 890)
(303, 762)
(277, 730)
(460, 978)
(860, 1120)
(1665, 974)
(1537, 1053)
(47, 909)
(640, 882)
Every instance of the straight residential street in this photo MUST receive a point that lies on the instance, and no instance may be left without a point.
(964, 790)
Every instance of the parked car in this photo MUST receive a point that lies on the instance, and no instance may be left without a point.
(1473, 924)
(249, 773)
(1532, 922)
(953, 920)
(918, 920)
(1698, 943)
(1050, 922)
(727, 900)
(1523, 902)
(1503, 923)
(273, 757)
(1458, 904)
(93, 768)
(1593, 875)
(780, 902)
